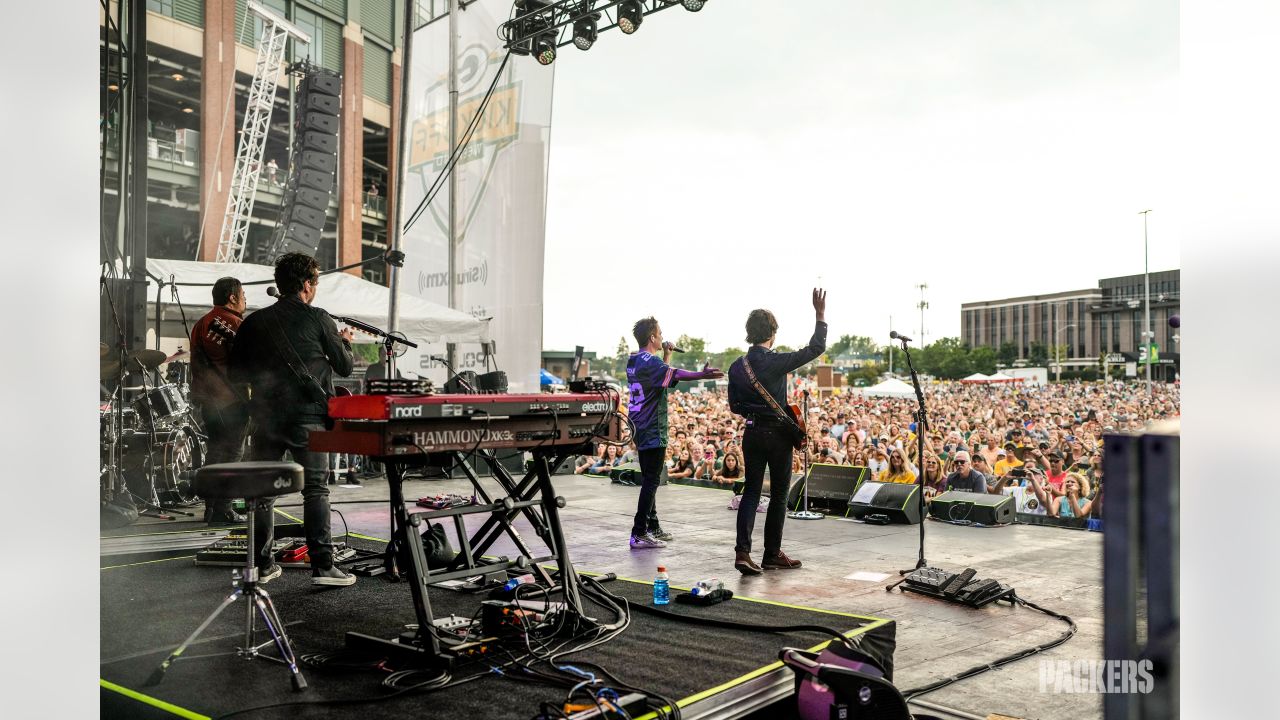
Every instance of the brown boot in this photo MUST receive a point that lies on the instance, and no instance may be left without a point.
(780, 562)
(745, 565)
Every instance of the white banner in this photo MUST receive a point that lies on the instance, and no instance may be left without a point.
(502, 181)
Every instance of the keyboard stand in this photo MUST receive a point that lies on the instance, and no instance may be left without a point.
(533, 492)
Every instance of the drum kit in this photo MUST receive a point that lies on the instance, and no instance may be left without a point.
(151, 439)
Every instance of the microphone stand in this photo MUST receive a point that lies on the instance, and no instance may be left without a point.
(806, 513)
(388, 339)
(922, 426)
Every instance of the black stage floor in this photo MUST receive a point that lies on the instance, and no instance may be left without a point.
(844, 562)
(149, 607)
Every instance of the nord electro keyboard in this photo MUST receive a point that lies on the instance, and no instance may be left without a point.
(394, 425)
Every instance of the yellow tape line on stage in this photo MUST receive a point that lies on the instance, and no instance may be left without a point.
(350, 534)
(153, 702)
(146, 562)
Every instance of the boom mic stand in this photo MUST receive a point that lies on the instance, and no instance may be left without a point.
(922, 426)
(806, 513)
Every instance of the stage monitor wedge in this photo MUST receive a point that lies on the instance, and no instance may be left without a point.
(898, 501)
(978, 508)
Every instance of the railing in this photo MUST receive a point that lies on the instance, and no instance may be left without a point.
(375, 204)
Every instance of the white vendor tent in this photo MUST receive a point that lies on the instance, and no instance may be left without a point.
(339, 293)
(1002, 378)
(890, 388)
(976, 378)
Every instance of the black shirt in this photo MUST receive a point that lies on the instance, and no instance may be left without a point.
(771, 370)
(261, 358)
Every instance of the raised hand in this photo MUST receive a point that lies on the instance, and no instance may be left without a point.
(711, 373)
(820, 302)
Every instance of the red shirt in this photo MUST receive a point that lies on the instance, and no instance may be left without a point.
(211, 341)
(1056, 480)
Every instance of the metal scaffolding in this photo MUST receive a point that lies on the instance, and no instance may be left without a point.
(253, 133)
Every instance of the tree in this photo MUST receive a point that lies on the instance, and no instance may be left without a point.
(1038, 355)
(853, 345)
(618, 364)
(1007, 354)
(695, 353)
(983, 360)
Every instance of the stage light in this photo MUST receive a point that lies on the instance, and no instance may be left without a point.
(693, 5)
(177, 76)
(630, 15)
(584, 31)
(544, 48)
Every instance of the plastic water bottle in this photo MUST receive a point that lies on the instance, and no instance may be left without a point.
(708, 586)
(661, 588)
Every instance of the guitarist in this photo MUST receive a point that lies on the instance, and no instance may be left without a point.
(771, 432)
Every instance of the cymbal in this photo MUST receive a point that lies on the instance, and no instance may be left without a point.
(180, 355)
(108, 367)
(150, 359)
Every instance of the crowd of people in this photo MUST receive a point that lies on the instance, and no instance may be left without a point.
(1042, 442)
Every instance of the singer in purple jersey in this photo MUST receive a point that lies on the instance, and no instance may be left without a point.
(648, 378)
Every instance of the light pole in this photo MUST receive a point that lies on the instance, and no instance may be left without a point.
(1147, 335)
(923, 305)
(1057, 351)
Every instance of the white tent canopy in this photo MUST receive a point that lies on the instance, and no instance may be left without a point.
(1001, 377)
(339, 293)
(892, 387)
(976, 378)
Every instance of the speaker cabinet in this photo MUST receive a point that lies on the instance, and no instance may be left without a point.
(313, 162)
(980, 508)
(899, 501)
(829, 485)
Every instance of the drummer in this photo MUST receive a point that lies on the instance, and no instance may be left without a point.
(223, 410)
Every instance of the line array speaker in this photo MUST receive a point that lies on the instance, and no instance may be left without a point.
(313, 162)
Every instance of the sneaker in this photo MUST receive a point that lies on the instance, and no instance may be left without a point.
(332, 577)
(267, 574)
(662, 535)
(646, 541)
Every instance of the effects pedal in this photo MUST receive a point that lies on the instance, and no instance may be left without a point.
(958, 582)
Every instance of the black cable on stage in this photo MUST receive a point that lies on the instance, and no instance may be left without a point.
(979, 669)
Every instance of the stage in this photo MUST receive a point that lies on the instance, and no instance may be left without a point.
(1059, 569)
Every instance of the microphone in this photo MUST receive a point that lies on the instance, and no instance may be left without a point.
(273, 292)
(898, 336)
(672, 347)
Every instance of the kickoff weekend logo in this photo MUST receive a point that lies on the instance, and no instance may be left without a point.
(1096, 676)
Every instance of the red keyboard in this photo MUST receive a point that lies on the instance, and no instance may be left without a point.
(397, 425)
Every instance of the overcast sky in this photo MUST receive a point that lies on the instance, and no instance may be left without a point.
(718, 161)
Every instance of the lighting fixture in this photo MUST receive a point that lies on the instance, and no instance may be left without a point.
(544, 48)
(177, 76)
(630, 15)
(585, 32)
(693, 5)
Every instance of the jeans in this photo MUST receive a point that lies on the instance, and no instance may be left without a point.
(271, 443)
(761, 446)
(646, 519)
(225, 428)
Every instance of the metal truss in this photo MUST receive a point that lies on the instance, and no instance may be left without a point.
(253, 133)
(542, 18)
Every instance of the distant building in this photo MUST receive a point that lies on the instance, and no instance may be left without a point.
(1088, 323)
